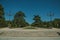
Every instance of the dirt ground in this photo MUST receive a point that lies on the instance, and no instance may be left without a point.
(21, 32)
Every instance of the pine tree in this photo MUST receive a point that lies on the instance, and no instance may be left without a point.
(2, 19)
(19, 20)
(37, 21)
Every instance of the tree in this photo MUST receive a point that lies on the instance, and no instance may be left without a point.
(19, 20)
(45, 24)
(37, 21)
(2, 19)
(56, 23)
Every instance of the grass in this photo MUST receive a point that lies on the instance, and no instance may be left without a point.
(29, 27)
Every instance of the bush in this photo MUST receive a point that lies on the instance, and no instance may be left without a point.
(29, 27)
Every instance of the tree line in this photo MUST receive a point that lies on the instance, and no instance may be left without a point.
(20, 22)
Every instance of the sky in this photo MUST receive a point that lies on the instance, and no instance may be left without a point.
(31, 8)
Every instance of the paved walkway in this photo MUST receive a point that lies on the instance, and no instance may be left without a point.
(29, 38)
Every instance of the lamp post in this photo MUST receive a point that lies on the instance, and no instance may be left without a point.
(9, 24)
(50, 18)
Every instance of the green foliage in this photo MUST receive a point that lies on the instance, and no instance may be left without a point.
(56, 23)
(37, 22)
(29, 27)
(19, 20)
(2, 19)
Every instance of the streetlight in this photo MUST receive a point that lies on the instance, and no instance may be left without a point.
(51, 16)
(9, 15)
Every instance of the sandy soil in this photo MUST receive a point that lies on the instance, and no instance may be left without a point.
(20, 32)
